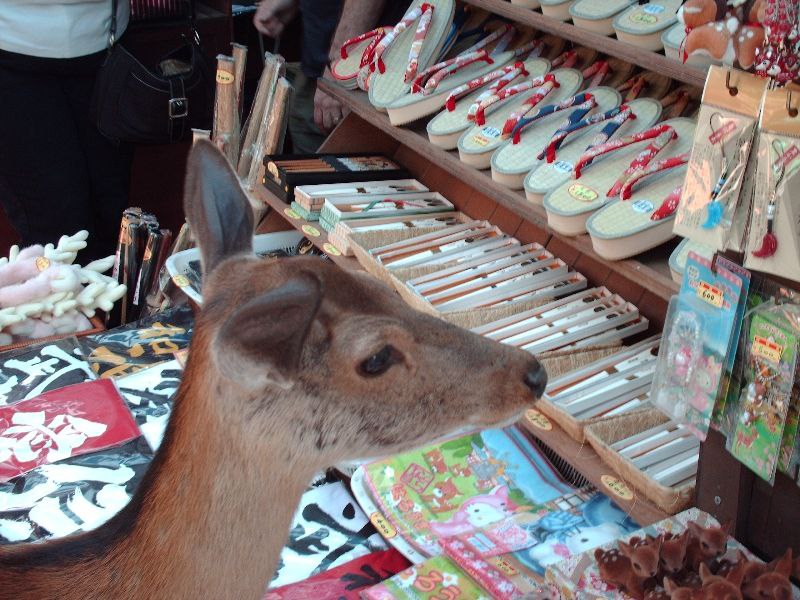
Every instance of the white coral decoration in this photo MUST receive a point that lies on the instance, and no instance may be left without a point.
(75, 292)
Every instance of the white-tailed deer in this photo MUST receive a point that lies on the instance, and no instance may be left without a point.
(295, 365)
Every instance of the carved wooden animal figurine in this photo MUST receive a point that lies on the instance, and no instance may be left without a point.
(705, 545)
(632, 566)
(715, 587)
(295, 365)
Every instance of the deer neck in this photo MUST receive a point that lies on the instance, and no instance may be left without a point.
(219, 509)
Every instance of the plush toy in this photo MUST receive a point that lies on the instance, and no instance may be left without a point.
(714, 587)
(632, 566)
(727, 32)
(705, 544)
(42, 293)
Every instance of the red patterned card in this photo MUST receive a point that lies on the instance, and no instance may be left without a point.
(78, 419)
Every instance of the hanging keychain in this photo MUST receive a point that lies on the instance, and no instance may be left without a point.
(769, 243)
(778, 58)
(715, 208)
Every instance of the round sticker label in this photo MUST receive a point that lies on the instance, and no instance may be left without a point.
(643, 206)
(653, 9)
(582, 192)
(224, 77)
(642, 19)
(42, 263)
(181, 281)
(617, 487)
(329, 248)
(563, 166)
(291, 213)
(538, 420)
(382, 525)
(311, 230)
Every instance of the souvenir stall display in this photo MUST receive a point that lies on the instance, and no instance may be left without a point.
(610, 188)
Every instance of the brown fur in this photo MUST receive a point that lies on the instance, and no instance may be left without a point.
(770, 581)
(274, 391)
(705, 545)
(632, 567)
(672, 560)
(714, 587)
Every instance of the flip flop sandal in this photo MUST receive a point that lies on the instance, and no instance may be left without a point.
(354, 55)
(470, 24)
(646, 83)
(673, 40)
(642, 218)
(680, 102)
(554, 173)
(556, 9)
(642, 25)
(600, 173)
(462, 102)
(677, 260)
(607, 71)
(408, 49)
(431, 88)
(476, 145)
(597, 16)
(544, 133)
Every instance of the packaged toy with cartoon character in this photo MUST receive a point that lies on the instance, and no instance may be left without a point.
(699, 334)
(765, 398)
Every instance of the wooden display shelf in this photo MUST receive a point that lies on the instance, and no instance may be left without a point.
(606, 45)
(307, 228)
(650, 271)
(585, 460)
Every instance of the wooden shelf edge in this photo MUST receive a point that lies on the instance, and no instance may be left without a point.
(659, 284)
(606, 45)
(585, 460)
(262, 194)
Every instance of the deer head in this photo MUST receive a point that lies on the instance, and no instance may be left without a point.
(709, 542)
(644, 557)
(673, 553)
(714, 587)
(336, 357)
(773, 584)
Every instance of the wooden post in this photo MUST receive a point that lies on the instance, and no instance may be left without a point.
(239, 64)
(271, 137)
(260, 112)
(224, 130)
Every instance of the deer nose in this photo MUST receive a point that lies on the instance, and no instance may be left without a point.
(536, 380)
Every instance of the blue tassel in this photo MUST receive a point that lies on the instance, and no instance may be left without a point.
(715, 212)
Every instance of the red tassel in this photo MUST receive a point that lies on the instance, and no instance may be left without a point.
(769, 245)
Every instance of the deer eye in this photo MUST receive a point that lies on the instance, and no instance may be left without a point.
(705, 545)
(379, 363)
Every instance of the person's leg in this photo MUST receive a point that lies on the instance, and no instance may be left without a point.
(108, 166)
(41, 161)
(306, 136)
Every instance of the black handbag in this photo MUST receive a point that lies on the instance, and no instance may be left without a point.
(132, 103)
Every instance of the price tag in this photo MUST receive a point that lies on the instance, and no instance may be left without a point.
(329, 248)
(42, 263)
(480, 140)
(311, 230)
(713, 295)
(224, 77)
(503, 565)
(767, 349)
(538, 420)
(291, 213)
(181, 281)
(582, 192)
(617, 487)
(382, 525)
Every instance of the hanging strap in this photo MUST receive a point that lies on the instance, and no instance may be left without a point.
(657, 167)
(584, 102)
(578, 122)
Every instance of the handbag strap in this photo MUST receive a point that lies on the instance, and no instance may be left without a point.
(112, 33)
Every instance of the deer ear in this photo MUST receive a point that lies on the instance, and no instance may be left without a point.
(217, 209)
(265, 336)
(669, 586)
(705, 572)
(693, 528)
(625, 548)
(784, 564)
